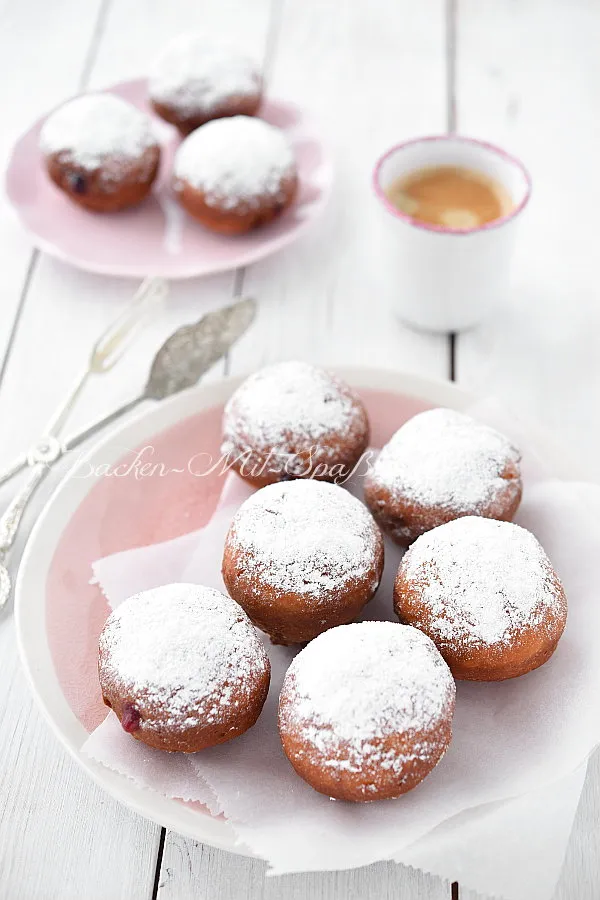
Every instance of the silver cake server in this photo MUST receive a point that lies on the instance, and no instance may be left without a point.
(105, 354)
(179, 363)
(182, 360)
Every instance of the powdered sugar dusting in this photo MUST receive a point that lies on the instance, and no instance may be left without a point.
(482, 581)
(182, 649)
(444, 458)
(95, 128)
(234, 161)
(195, 73)
(306, 537)
(284, 404)
(356, 684)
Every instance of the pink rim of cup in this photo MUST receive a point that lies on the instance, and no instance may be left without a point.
(445, 229)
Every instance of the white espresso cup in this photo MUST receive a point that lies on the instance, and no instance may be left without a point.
(448, 279)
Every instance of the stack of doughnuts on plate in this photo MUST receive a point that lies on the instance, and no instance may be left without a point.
(366, 708)
(233, 171)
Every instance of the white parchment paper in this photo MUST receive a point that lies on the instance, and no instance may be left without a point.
(515, 743)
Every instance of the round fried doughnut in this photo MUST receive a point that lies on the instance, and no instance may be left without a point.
(182, 668)
(197, 78)
(486, 593)
(301, 557)
(365, 711)
(440, 465)
(294, 420)
(101, 152)
(236, 174)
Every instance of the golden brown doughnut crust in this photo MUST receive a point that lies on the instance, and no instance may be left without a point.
(241, 218)
(333, 458)
(103, 190)
(442, 465)
(291, 616)
(528, 650)
(371, 766)
(334, 454)
(262, 456)
(180, 708)
(526, 645)
(191, 740)
(404, 519)
(188, 122)
(371, 782)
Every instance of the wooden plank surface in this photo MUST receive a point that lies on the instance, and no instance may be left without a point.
(26, 53)
(60, 836)
(528, 75)
(528, 78)
(191, 871)
(350, 66)
(580, 876)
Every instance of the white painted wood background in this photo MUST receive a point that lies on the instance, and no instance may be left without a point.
(524, 73)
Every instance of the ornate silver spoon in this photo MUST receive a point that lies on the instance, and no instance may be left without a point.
(184, 357)
(106, 352)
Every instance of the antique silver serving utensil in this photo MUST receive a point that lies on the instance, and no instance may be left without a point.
(182, 360)
(184, 357)
(107, 351)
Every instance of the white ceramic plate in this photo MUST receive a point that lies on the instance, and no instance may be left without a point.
(58, 614)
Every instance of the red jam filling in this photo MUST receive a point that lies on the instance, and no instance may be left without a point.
(130, 718)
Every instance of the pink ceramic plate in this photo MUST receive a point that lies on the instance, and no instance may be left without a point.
(157, 237)
(59, 614)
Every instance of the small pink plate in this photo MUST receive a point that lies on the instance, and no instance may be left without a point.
(157, 237)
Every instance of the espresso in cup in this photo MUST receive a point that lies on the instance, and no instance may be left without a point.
(450, 196)
(449, 207)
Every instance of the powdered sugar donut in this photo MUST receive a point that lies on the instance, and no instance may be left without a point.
(301, 557)
(101, 151)
(182, 668)
(365, 711)
(486, 594)
(235, 174)
(294, 420)
(197, 78)
(441, 465)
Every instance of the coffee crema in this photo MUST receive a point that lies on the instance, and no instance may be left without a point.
(450, 196)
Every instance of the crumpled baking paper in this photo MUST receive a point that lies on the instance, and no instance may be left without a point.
(495, 813)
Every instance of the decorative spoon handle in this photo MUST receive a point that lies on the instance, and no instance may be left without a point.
(9, 525)
(11, 519)
(106, 352)
(16, 466)
(180, 363)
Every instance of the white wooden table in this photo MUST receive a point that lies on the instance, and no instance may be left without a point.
(523, 73)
